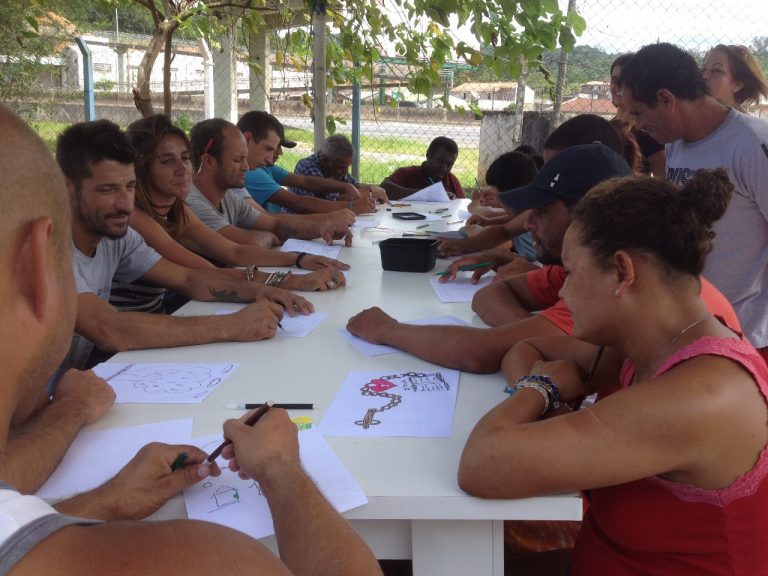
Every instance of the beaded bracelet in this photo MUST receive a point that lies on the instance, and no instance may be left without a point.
(298, 259)
(544, 385)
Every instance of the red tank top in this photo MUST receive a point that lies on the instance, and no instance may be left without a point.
(658, 527)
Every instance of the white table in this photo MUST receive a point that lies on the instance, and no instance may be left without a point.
(416, 509)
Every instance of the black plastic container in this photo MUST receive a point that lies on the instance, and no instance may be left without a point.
(408, 254)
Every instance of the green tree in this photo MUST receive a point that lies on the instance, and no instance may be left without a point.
(27, 37)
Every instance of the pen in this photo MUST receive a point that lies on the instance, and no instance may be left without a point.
(446, 216)
(457, 222)
(466, 268)
(422, 226)
(179, 462)
(252, 419)
(283, 406)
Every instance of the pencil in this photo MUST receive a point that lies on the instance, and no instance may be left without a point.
(179, 462)
(252, 419)
(422, 226)
(466, 268)
(278, 405)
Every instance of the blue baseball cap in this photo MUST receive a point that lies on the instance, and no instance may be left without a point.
(568, 176)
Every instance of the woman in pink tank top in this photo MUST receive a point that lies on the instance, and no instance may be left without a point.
(675, 459)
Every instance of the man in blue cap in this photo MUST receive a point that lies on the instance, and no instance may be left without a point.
(508, 305)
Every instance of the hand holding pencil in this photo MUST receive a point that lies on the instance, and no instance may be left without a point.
(478, 263)
(266, 450)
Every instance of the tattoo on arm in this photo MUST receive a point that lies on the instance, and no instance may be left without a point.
(227, 296)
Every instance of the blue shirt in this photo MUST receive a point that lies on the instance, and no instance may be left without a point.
(263, 182)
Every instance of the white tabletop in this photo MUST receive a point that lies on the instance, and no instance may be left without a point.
(416, 509)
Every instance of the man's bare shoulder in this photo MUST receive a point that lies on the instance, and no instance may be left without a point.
(127, 548)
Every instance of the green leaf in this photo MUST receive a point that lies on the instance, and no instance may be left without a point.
(576, 22)
(567, 39)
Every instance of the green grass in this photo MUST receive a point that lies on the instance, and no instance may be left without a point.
(382, 155)
(49, 132)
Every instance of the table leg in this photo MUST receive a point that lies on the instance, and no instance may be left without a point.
(458, 548)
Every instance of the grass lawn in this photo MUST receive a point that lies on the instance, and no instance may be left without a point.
(381, 155)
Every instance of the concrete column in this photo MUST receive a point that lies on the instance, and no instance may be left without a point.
(260, 81)
(225, 78)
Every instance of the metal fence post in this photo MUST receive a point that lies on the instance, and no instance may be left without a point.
(88, 97)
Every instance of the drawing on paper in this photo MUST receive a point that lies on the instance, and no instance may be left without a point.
(174, 379)
(408, 382)
(224, 496)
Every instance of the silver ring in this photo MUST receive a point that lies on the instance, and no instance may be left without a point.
(331, 284)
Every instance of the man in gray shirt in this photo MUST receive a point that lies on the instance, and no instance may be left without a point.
(39, 307)
(663, 88)
(97, 161)
(220, 156)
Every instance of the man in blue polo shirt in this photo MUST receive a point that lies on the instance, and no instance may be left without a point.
(267, 185)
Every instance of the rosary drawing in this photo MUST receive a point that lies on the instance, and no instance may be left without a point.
(407, 382)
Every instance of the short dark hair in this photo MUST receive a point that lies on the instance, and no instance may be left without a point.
(260, 124)
(442, 142)
(656, 217)
(662, 66)
(511, 170)
(529, 150)
(584, 129)
(207, 137)
(620, 60)
(87, 143)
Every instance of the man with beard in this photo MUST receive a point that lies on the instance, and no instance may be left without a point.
(553, 192)
(88, 534)
(221, 158)
(97, 161)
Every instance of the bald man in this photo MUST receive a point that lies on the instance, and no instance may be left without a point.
(38, 307)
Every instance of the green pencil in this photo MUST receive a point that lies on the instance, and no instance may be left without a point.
(466, 268)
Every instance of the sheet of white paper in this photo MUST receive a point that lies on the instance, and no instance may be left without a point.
(310, 247)
(298, 326)
(432, 193)
(379, 349)
(239, 504)
(364, 221)
(458, 290)
(95, 457)
(419, 404)
(163, 383)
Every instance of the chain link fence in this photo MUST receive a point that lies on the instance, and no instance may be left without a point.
(396, 125)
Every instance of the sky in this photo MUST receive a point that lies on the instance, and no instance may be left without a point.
(625, 25)
(621, 25)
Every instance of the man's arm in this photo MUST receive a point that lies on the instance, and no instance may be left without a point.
(142, 486)
(395, 191)
(312, 205)
(489, 237)
(36, 447)
(464, 348)
(504, 302)
(115, 331)
(322, 186)
(269, 453)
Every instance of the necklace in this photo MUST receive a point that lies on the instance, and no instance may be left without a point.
(675, 338)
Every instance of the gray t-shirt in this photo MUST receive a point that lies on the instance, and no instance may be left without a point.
(738, 263)
(25, 521)
(234, 211)
(124, 259)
